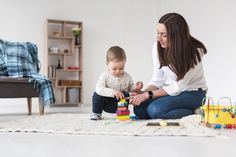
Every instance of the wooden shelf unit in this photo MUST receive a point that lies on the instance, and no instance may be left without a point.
(61, 48)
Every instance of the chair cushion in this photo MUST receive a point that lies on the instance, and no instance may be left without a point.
(5, 79)
(17, 88)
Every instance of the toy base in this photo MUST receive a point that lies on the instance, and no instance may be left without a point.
(123, 117)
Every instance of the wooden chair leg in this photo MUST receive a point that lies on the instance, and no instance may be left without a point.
(29, 103)
(41, 109)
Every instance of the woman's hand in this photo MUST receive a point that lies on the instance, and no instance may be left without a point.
(119, 95)
(138, 99)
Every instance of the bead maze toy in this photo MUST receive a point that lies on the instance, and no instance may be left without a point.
(218, 115)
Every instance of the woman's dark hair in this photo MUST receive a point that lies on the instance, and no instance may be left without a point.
(182, 52)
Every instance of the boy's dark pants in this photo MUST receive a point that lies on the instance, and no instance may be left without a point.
(107, 104)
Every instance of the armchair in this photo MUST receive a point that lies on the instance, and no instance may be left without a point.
(19, 74)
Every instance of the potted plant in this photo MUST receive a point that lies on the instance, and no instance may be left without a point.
(76, 32)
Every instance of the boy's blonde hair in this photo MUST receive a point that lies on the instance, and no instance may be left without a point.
(116, 54)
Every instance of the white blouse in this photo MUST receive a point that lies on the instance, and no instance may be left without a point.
(165, 78)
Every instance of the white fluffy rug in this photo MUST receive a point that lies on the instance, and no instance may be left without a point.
(71, 123)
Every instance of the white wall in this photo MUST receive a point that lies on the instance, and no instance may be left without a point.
(130, 24)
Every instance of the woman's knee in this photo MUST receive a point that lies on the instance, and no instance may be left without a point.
(154, 111)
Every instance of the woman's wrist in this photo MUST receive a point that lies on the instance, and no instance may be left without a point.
(148, 94)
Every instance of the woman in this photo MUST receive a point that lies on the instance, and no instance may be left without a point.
(178, 84)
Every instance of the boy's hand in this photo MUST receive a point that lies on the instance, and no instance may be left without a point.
(119, 95)
(138, 87)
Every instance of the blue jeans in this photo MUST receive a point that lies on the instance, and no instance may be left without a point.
(102, 103)
(171, 107)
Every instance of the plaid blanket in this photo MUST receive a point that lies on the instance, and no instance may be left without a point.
(20, 59)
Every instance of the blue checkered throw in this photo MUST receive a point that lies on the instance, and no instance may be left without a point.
(20, 59)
